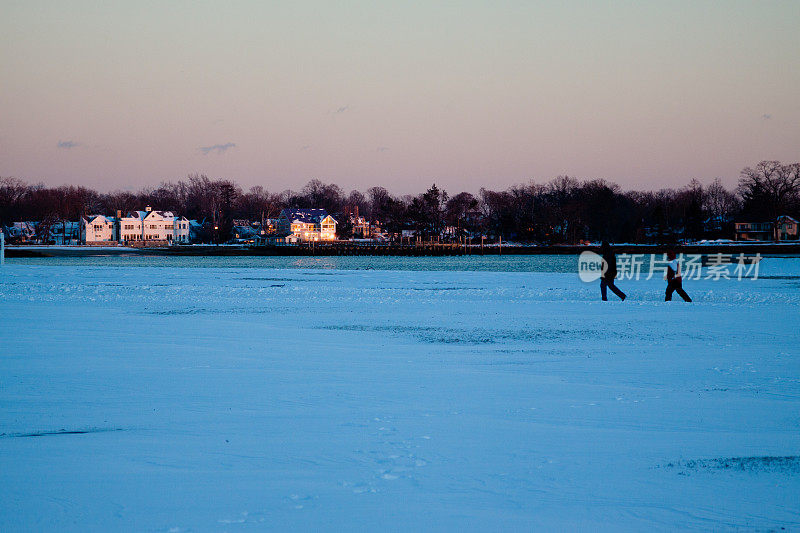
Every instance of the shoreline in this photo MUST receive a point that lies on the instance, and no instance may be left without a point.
(431, 250)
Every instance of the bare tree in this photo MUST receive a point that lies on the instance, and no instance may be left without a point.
(721, 206)
(323, 196)
(379, 201)
(12, 195)
(357, 203)
(771, 186)
(460, 211)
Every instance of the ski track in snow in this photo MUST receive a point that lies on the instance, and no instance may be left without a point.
(194, 399)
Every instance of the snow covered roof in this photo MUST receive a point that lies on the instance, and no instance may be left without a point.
(138, 215)
(99, 218)
(25, 225)
(307, 216)
(20, 229)
(60, 227)
(157, 214)
(142, 215)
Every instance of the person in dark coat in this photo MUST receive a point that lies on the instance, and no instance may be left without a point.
(609, 272)
(674, 280)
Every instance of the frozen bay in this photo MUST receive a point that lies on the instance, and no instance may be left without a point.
(223, 395)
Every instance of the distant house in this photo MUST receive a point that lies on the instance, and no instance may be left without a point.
(717, 225)
(137, 226)
(22, 231)
(64, 232)
(131, 226)
(306, 225)
(753, 231)
(364, 229)
(785, 229)
(245, 232)
(270, 226)
(197, 231)
(59, 232)
(149, 225)
(661, 233)
(253, 231)
(278, 239)
(99, 229)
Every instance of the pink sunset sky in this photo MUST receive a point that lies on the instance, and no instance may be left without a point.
(121, 95)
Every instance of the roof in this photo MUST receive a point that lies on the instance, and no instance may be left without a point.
(25, 225)
(141, 215)
(781, 219)
(91, 218)
(305, 215)
(163, 214)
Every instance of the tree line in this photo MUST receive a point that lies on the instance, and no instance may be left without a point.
(562, 210)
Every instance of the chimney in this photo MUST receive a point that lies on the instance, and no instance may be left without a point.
(118, 226)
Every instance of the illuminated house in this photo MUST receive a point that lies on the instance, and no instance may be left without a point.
(306, 225)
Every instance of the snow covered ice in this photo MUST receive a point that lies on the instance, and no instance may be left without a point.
(194, 395)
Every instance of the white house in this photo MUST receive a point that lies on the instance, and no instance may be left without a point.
(182, 232)
(136, 226)
(306, 225)
(131, 226)
(99, 228)
(152, 225)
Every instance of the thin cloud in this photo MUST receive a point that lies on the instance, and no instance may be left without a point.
(382, 148)
(305, 147)
(766, 116)
(218, 148)
(66, 145)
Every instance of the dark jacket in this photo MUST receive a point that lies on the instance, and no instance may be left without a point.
(610, 259)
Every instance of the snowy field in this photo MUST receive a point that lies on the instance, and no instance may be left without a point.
(235, 398)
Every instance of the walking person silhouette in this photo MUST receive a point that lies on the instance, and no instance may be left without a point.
(609, 272)
(674, 280)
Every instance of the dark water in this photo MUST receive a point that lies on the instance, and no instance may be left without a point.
(493, 263)
(775, 265)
